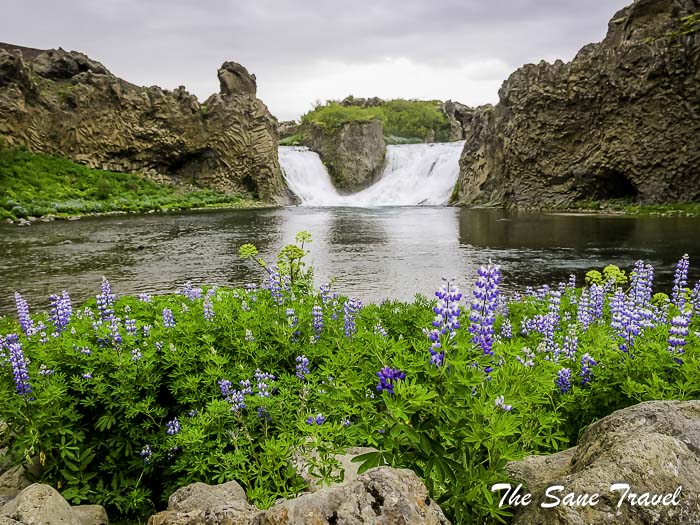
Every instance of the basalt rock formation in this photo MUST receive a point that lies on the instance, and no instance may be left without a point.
(353, 153)
(65, 103)
(622, 120)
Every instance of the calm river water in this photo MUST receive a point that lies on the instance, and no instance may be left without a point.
(374, 253)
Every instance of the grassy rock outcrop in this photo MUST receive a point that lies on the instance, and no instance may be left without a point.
(66, 104)
(621, 120)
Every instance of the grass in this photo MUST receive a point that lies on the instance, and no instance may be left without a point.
(681, 209)
(415, 120)
(38, 185)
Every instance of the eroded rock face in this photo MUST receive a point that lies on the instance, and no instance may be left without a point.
(621, 120)
(354, 154)
(654, 447)
(67, 104)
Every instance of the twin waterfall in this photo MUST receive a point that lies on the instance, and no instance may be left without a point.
(414, 175)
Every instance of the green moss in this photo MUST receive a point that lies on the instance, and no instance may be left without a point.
(36, 185)
(415, 120)
(681, 209)
(293, 140)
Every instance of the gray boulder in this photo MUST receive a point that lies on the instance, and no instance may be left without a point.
(653, 447)
(40, 505)
(346, 468)
(91, 514)
(383, 496)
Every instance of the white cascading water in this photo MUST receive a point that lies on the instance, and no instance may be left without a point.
(414, 174)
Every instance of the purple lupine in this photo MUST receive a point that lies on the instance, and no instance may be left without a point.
(597, 300)
(105, 301)
(326, 294)
(563, 380)
(345, 422)
(264, 414)
(246, 387)
(680, 281)
(136, 354)
(173, 427)
(583, 313)
(190, 292)
(60, 311)
(483, 306)
(379, 329)
(146, 453)
(235, 397)
(388, 377)
(130, 325)
(678, 332)
(570, 346)
(168, 319)
(571, 284)
(18, 364)
(350, 310)
(617, 312)
(144, 297)
(302, 366)
(507, 329)
(87, 375)
(114, 334)
(262, 385)
(587, 362)
(528, 360)
(208, 308)
(317, 316)
(318, 420)
(500, 403)
(25, 320)
(695, 298)
(446, 322)
(275, 284)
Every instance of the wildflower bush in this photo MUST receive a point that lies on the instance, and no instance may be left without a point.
(124, 400)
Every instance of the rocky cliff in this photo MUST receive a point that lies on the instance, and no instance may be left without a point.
(353, 153)
(622, 120)
(67, 104)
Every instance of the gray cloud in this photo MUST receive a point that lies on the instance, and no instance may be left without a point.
(467, 43)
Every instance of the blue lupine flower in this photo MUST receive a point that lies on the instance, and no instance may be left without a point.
(208, 308)
(168, 319)
(144, 297)
(507, 329)
(528, 360)
(173, 427)
(87, 375)
(263, 413)
(190, 292)
(345, 422)
(136, 354)
(597, 300)
(388, 377)
(317, 315)
(105, 301)
(677, 334)
(60, 311)
(262, 385)
(130, 325)
(18, 364)
(483, 307)
(25, 319)
(318, 420)
(302, 367)
(680, 281)
(563, 380)
(570, 346)
(249, 336)
(379, 329)
(326, 294)
(695, 298)
(350, 310)
(500, 403)
(446, 322)
(587, 362)
(146, 453)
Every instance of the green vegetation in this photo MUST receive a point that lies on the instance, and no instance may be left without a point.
(125, 400)
(681, 209)
(36, 185)
(415, 120)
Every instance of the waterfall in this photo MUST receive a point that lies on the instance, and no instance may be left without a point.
(414, 174)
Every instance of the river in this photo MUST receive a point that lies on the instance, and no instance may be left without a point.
(374, 253)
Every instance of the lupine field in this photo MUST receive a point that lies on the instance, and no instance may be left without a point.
(124, 399)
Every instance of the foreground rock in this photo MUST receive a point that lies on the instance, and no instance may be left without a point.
(40, 505)
(67, 104)
(353, 153)
(382, 496)
(654, 447)
(621, 120)
(346, 468)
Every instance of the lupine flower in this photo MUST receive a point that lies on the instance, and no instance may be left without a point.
(146, 330)
(130, 325)
(25, 319)
(18, 364)
(345, 422)
(446, 320)
(317, 316)
(483, 306)
(326, 294)
(146, 453)
(114, 333)
(249, 336)
(172, 451)
(587, 362)
(262, 386)
(695, 298)
(85, 351)
(208, 308)
(677, 334)
(500, 403)
(507, 329)
(159, 346)
(105, 301)
(350, 310)
(597, 300)
(529, 359)
(87, 375)
(60, 311)
(276, 284)
(583, 313)
(302, 367)
(173, 427)
(136, 354)
(388, 377)
(570, 346)
(235, 397)
(680, 281)
(45, 371)
(144, 297)
(572, 282)
(263, 413)
(379, 329)
(190, 292)
(318, 420)
(168, 320)
(563, 380)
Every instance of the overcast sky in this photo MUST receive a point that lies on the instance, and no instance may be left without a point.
(308, 50)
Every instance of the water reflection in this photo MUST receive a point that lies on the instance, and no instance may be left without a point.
(373, 253)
